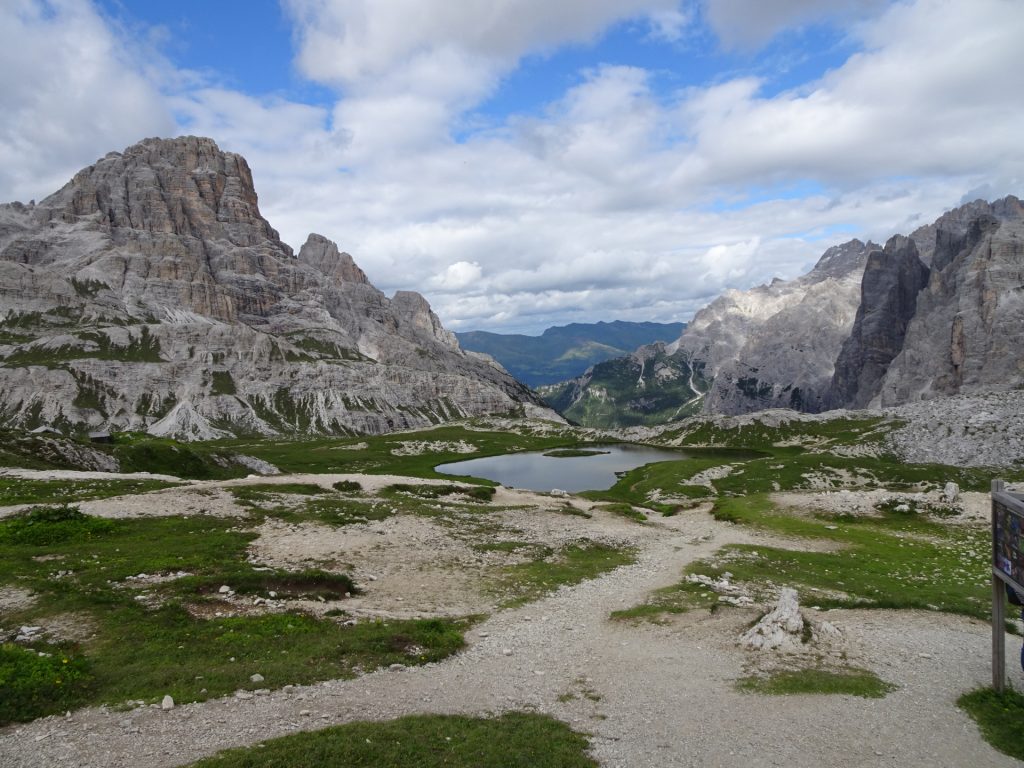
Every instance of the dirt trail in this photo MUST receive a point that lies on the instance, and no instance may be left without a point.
(650, 695)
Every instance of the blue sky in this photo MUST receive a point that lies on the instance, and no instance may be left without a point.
(526, 163)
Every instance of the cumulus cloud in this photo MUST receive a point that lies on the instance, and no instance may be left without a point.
(745, 23)
(70, 90)
(459, 275)
(618, 200)
(934, 93)
(350, 42)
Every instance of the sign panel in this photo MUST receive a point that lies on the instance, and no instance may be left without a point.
(1007, 570)
(1008, 539)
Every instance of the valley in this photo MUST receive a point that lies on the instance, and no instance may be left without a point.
(353, 583)
(223, 524)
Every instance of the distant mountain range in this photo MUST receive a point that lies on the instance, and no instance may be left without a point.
(566, 351)
(939, 312)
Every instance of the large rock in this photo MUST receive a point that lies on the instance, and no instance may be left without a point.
(149, 293)
(785, 629)
(892, 280)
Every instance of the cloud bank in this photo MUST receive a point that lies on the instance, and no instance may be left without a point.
(620, 198)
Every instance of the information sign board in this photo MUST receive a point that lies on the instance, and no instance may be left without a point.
(1007, 569)
(1007, 544)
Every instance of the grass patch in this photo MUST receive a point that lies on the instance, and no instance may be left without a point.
(375, 453)
(896, 561)
(146, 649)
(309, 584)
(514, 740)
(902, 561)
(347, 486)
(675, 599)
(625, 510)
(482, 493)
(143, 453)
(668, 478)
(849, 682)
(35, 684)
(16, 490)
(257, 494)
(338, 512)
(530, 581)
(42, 526)
(1000, 716)
(570, 453)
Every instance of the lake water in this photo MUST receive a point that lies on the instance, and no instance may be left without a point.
(538, 472)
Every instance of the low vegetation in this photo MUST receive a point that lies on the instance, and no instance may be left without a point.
(524, 740)
(892, 560)
(129, 637)
(1000, 716)
(529, 581)
(849, 682)
(17, 490)
(391, 454)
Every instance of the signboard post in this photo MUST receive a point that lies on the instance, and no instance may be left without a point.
(1007, 569)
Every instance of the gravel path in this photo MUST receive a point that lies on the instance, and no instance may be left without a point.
(649, 695)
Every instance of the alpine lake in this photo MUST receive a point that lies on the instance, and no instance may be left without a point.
(593, 468)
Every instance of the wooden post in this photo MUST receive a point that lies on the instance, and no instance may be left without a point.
(998, 609)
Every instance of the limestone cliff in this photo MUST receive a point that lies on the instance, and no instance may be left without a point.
(966, 333)
(149, 293)
(892, 280)
(775, 345)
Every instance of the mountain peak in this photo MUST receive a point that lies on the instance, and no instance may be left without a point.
(185, 186)
(323, 255)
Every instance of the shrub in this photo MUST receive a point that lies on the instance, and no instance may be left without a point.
(347, 486)
(42, 526)
(34, 685)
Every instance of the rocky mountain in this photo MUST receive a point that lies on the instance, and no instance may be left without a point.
(564, 352)
(656, 384)
(967, 331)
(150, 294)
(775, 345)
(939, 312)
(893, 277)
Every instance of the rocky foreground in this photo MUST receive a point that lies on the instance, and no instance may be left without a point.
(648, 694)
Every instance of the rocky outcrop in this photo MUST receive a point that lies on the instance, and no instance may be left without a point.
(775, 346)
(149, 293)
(965, 334)
(785, 629)
(892, 280)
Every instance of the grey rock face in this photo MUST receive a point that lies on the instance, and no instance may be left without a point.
(775, 346)
(149, 293)
(892, 280)
(965, 336)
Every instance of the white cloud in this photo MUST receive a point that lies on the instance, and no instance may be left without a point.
(935, 93)
(745, 23)
(614, 202)
(457, 276)
(349, 42)
(68, 91)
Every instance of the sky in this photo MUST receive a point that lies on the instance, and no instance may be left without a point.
(528, 163)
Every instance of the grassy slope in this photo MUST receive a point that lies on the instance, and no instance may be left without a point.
(514, 740)
(619, 394)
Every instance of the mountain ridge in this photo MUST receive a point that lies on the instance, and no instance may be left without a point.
(149, 293)
(566, 351)
(937, 313)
